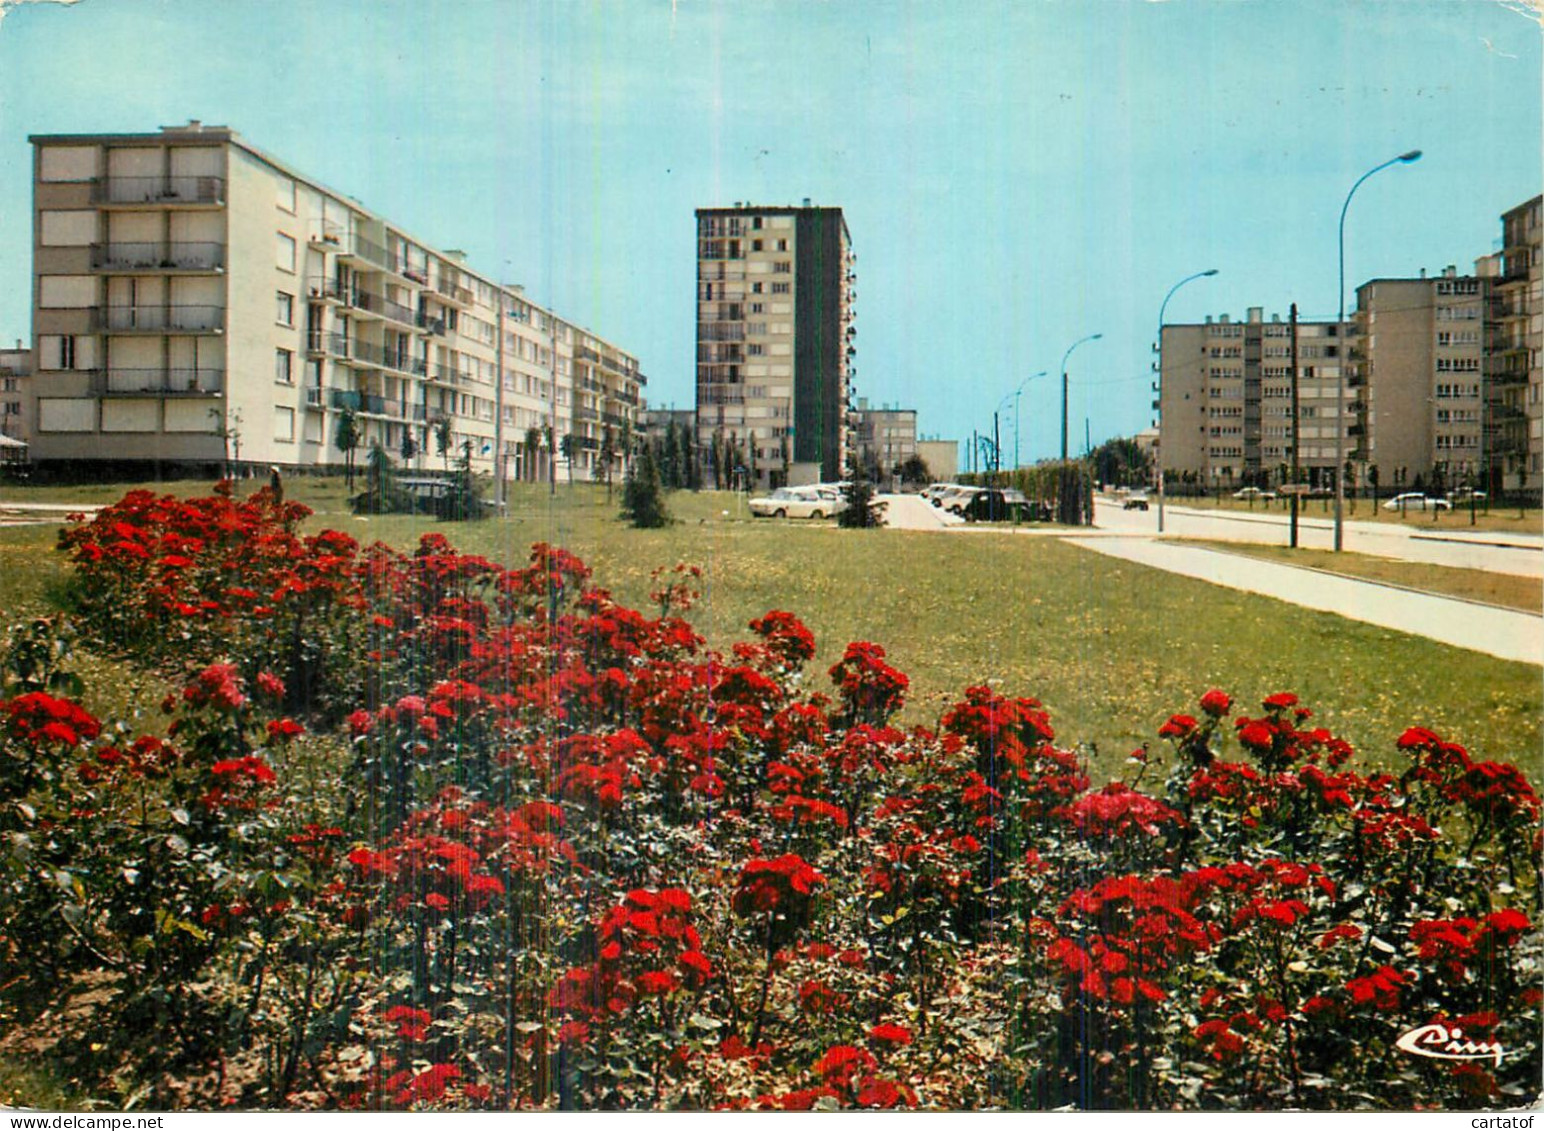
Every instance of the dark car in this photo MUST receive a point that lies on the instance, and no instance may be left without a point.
(989, 505)
(1135, 502)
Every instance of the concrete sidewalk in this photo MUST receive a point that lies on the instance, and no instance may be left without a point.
(1506, 633)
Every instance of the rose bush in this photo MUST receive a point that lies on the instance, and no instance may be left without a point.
(423, 831)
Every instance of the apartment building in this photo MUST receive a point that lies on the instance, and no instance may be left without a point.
(775, 338)
(1226, 400)
(1418, 357)
(198, 301)
(1514, 345)
(884, 438)
(15, 383)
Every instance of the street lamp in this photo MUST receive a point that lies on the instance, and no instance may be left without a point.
(1065, 356)
(1015, 395)
(1161, 309)
(1340, 325)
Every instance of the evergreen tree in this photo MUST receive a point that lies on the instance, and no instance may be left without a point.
(442, 439)
(532, 453)
(861, 511)
(643, 501)
(347, 439)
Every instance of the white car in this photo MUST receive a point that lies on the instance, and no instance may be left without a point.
(1415, 501)
(799, 502)
(1253, 493)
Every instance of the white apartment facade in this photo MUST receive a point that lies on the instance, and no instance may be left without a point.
(196, 301)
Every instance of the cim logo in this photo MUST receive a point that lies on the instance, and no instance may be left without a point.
(1441, 1043)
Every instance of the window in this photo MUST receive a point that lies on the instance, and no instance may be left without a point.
(755, 288)
(782, 267)
(781, 288)
(284, 424)
(285, 309)
(284, 253)
(283, 366)
(284, 193)
(755, 245)
(782, 245)
(67, 229)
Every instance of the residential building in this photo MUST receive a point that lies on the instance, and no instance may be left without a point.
(15, 384)
(775, 330)
(198, 302)
(1418, 357)
(941, 456)
(884, 438)
(1226, 400)
(1514, 344)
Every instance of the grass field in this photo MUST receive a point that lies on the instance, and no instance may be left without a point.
(1111, 648)
(1501, 518)
(1502, 589)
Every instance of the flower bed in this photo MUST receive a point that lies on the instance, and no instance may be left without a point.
(423, 831)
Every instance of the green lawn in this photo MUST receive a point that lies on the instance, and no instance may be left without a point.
(1503, 589)
(1112, 648)
(1502, 518)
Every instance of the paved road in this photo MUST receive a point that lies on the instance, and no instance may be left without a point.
(1522, 555)
(1481, 628)
(913, 512)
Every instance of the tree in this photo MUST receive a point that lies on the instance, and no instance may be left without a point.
(608, 455)
(464, 499)
(441, 429)
(1372, 478)
(643, 501)
(347, 439)
(861, 510)
(914, 469)
(670, 458)
(532, 451)
(568, 446)
(693, 458)
(382, 493)
(1121, 461)
(717, 455)
(409, 446)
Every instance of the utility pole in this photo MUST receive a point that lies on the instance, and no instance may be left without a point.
(1295, 438)
(498, 404)
(997, 451)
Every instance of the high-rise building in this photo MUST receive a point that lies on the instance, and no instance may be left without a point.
(197, 301)
(1514, 332)
(1226, 404)
(1417, 360)
(775, 341)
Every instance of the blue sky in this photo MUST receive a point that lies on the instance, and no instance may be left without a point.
(1015, 175)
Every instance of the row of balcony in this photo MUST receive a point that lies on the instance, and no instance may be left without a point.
(368, 302)
(170, 190)
(176, 255)
(352, 349)
(370, 404)
(159, 381)
(159, 318)
(352, 246)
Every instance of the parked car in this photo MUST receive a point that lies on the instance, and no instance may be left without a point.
(988, 504)
(1415, 501)
(1254, 493)
(1464, 494)
(936, 493)
(799, 502)
(1136, 501)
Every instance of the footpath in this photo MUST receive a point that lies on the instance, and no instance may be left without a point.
(1507, 633)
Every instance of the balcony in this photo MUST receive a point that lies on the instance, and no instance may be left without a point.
(363, 253)
(324, 288)
(448, 375)
(137, 191)
(429, 324)
(318, 341)
(372, 354)
(453, 292)
(158, 257)
(161, 319)
(161, 382)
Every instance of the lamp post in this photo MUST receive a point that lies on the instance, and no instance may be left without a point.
(1065, 356)
(1014, 396)
(1161, 309)
(1340, 325)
